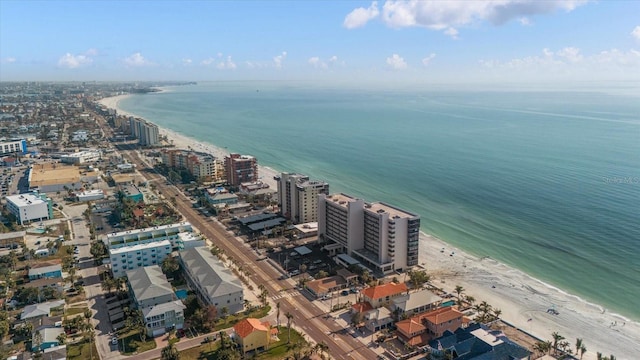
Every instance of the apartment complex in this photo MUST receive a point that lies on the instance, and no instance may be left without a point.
(133, 249)
(240, 169)
(136, 256)
(154, 296)
(298, 197)
(81, 157)
(212, 282)
(200, 165)
(383, 237)
(13, 147)
(146, 132)
(30, 207)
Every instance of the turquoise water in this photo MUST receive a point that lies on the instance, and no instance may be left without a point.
(545, 181)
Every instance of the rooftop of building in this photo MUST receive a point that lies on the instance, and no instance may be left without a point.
(25, 199)
(149, 282)
(394, 212)
(245, 327)
(341, 199)
(210, 272)
(384, 290)
(183, 226)
(149, 245)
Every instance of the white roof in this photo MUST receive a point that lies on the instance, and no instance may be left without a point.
(137, 247)
(25, 199)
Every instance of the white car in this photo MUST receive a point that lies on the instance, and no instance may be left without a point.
(114, 340)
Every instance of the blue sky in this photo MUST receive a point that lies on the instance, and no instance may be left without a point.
(413, 41)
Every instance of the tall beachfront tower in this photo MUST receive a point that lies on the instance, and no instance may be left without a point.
(147, 133)
(298, 197)
(240, 169)
(382, 237)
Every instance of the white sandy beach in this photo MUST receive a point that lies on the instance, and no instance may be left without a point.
(523, 300)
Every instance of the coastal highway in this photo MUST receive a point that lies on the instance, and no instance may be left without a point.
(314, 321)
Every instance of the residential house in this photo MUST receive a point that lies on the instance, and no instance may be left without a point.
(325, 286)
(416, 331)
(55, 353)
(381, 295)
(40, 310)
(253, 335)
(477, 342)
(415, 303)
(212, 282)
(48, 338)
(154, 296)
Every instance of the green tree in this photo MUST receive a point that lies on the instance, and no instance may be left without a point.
(61, 338)
(459, 290)
(556, 339)
(170, 266)
(578, 345)
(356, 319)
(583, 349)
(37, 340)
(289, 316)
(278, 314)
(418, 278)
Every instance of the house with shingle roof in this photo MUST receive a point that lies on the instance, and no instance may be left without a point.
(212, 282)
(253, 335)
(477, 342)
(40, 310)
(154, 296)
(415, 302)
(381, 295)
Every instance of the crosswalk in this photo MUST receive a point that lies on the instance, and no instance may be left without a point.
(286, 294)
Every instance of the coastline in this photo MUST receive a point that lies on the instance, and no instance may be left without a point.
(523, 299)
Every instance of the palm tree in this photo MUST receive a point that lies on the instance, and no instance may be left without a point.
(583, 349)
(322, 348)
(278, 314)
(170, 352)
(459, 290)
(289, 316)
(578, 345)
(470, 300)
(556, 339)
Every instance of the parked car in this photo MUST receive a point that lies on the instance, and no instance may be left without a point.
(344, 293)
(114, 340)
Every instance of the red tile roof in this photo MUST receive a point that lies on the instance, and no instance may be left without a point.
(410, 326)
(362, 307)
(245, 327)
(442, 315)
(382, 291)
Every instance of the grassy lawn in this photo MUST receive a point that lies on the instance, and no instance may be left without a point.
(280, 349)
(81, 351)
(76, 310)
(132, 343)
(231, 320)
(201, 352)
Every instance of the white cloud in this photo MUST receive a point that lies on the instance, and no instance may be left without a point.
(227, 65)
(450, 15)
(524, 21)
(9, 60)
(636, 32)
(277, 60)
(91, 52)
(208, 61)
(318, 63)
(360, 16)
(333, 59)
(396, 62)
(451, 32)
(136, 60)
(428, 59)
(71, 61)
(570, 62)
(187, 62)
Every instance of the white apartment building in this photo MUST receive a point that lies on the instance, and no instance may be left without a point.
(132, 257)
(13, 147)
(169, 232)
(90, 195)
(382, 237)
(30, 207)
(298, 197)
(146, 132)
(81, 157)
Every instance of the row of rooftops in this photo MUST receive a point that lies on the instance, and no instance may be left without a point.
(181, 227)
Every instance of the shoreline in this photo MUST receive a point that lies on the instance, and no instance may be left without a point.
(523, 299)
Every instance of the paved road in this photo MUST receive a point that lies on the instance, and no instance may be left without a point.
(306, 314)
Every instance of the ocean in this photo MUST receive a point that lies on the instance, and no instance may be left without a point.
(544, 180)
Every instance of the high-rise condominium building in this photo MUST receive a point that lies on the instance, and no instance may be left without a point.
(241, 169)
(298, 197)
(382, 237)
